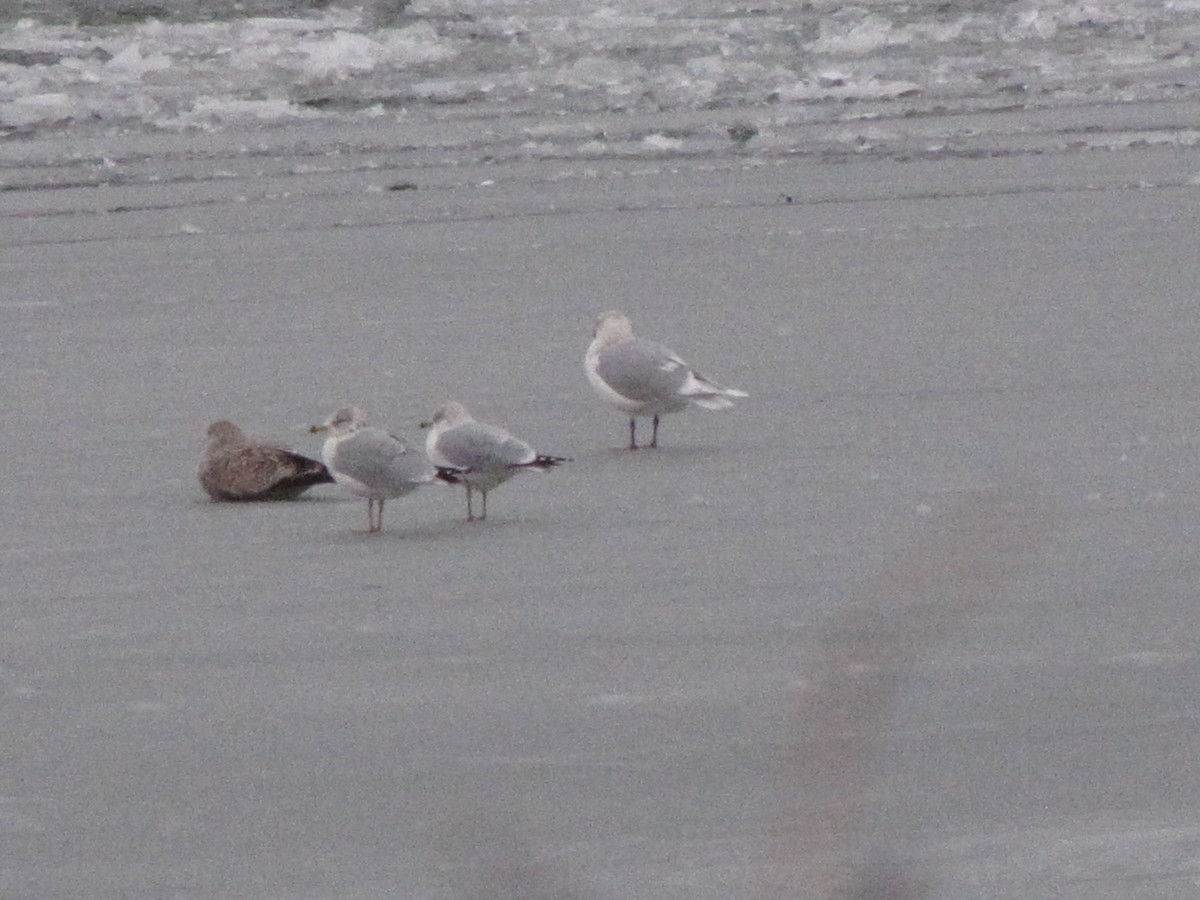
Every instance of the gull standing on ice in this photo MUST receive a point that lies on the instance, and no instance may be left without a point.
(642, 378)
(371, 463)
(234, 467)
(485, 456)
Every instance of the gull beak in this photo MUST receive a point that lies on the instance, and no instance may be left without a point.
(426, 424)
(317, 429)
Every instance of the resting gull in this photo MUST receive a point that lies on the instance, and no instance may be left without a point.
(371, 463)
(234, 467)
(642, 378)
(486, 456)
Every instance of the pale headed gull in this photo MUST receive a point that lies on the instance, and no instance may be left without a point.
(642, 378)
(371, 463)
(483, 455)
(234, 467)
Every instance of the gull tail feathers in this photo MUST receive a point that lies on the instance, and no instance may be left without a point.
(308, 472)
(708, 394)
(449, 474)
(542, 462)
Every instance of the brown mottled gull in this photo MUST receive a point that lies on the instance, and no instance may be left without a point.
(235, 467)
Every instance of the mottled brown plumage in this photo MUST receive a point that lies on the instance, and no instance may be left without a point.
(236, 468)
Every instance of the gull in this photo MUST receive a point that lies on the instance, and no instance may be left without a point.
(371, 463)
(485, 456)
(234, 467)
(642, 378)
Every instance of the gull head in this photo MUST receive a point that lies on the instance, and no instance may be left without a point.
(224, 433)
(450, 414)
(346, 420)
(612, 327)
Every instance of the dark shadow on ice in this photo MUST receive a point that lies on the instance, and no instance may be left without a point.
(837, 821)
(488, 859)
(835, 835)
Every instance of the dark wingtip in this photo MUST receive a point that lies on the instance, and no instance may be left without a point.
(288, 488)
(543, 462)
(305, 473)
(309, 471)
(449, 474)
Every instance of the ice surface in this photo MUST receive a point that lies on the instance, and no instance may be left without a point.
(925, 598)
(609, 691)
(491, 60)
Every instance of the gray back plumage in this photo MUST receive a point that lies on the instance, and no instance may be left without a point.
(386, 464)
(642, 370)
(475, 445)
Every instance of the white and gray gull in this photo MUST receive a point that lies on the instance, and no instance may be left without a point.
(485, 456)
(371, 463)
(642, 378)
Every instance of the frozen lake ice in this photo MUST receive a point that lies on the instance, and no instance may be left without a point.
(927, 590)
